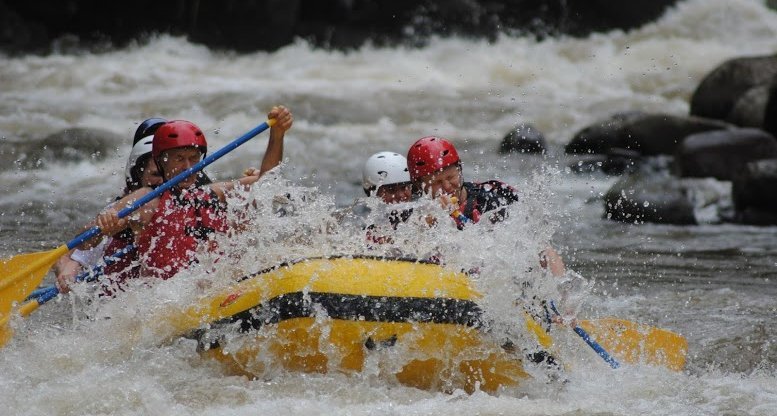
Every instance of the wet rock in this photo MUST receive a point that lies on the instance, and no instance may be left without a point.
(616, 162)
(602, 135)
(649, 134)
(524, 138)
(756, 216)
(719, 91)
(652, 194)
(749, 109)
(646, 197)
(770, 111)
(660, 134)
(754, 193)
(722, 154)
(620, 161)
(587, 163)
(66, 146)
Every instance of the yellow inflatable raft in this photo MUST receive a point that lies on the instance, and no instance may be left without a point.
(418, 323)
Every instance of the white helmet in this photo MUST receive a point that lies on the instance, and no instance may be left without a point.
(384, 168)
(140, 148)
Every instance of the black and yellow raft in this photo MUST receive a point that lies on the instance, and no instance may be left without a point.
(332, 314)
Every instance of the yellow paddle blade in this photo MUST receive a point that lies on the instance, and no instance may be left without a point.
(5, 331)
(20, 275)
(638, 343)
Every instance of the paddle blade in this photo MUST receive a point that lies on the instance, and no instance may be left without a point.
(638, 343)
(5, 331)
(20, 275)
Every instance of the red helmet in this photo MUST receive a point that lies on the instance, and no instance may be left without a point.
(175, 134)
(430, 154)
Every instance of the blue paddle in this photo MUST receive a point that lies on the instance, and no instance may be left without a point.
(591, 343)
(44, 294)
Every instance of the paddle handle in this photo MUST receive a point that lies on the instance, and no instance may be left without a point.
(94, 231)
(591, 343)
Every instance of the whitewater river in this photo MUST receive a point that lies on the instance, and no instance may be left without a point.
(714, 284)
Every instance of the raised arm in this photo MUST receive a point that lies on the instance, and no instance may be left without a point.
(272, 156)
(274, 153)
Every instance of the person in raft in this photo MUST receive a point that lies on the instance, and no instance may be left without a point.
(385, 175)
(171, 228)
(436, 171)
(141, 171)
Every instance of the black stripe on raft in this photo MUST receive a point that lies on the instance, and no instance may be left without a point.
(346, 307)
(358, 308)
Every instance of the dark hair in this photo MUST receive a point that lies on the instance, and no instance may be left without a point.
(136, 174)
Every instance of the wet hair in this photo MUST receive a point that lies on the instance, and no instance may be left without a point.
(136, 174)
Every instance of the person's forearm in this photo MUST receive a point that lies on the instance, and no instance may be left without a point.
(274, 153)
(552, 261)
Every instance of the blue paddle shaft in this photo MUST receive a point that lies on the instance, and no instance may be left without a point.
(591, 343)
(596, 347)
(107, 261)
(94, 231)
(45, 294)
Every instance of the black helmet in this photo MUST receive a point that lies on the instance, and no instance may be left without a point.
(141, 151)
(147, 128)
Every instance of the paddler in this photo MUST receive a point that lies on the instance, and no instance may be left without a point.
(385, 176)
(171, 228)
(140, 171)
(435, 171)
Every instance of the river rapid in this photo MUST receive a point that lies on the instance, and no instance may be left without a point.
(714, 284)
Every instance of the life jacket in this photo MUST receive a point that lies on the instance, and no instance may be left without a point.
(184, 220)
(484, 197)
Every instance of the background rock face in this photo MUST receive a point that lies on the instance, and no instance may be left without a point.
(719, 92)
(754, 192)
(723, 154)
(247, 25)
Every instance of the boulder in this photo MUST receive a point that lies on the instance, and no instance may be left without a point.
(602, 135)
(524, 138)
(658, 197)
(649, 134)
(660, 134)
(754, 192)
(770, 110)
(722, 154)
(750, 108)
(617, 161)
(720, 90)
(648, 197)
